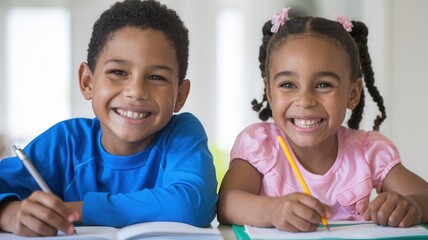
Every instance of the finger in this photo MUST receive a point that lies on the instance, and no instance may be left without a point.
(304, 218)
(22, 230)
(398, 215)
(385, 211)
(328, 211)
(302, 224)
(33, 226)
(410, 218)
(47, 209)
(374, 207)
(366, 215)
(56, 204)
(315, 209)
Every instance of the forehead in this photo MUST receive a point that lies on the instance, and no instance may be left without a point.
(310, 53)
(140, 45)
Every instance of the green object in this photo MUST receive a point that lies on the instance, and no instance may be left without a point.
(240, 232)
(242, 235)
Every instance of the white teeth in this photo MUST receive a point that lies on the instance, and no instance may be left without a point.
(307, 123)
(130, 114)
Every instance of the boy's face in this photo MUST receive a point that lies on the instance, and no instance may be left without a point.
(134, 88)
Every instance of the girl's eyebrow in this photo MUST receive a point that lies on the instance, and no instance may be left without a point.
(328, 74)
(283, 73)
(319, 74)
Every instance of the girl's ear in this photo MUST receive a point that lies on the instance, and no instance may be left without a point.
(355, 94)
(85, 80)
(183, 92)
(267, 90)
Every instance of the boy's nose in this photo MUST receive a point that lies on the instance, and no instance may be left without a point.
(137, 89)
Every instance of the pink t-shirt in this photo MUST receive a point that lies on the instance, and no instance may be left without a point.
(363, 161)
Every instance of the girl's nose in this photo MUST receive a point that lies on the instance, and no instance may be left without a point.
(137, 89)
(305, 99)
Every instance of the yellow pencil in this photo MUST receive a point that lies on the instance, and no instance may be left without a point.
(298, 174)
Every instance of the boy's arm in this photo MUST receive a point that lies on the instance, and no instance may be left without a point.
(6, 210)
(185, 191)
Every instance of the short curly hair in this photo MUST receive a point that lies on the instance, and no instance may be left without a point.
(148, 14)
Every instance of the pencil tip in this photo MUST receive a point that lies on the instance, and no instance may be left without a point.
(328, 227)
(14, 148)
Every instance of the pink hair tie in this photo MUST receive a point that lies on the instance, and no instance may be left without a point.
(279, 19)
(347, 25)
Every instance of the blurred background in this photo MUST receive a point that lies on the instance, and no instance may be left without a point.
(42, 43)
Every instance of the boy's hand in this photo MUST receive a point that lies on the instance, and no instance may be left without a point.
(393, 209)
(41, 214)
(298, 212)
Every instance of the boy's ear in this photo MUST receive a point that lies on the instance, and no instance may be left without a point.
(183, 92)
(85, 80)
(355, 94)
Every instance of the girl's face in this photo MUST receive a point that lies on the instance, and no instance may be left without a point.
(310, 89)
(134, 88)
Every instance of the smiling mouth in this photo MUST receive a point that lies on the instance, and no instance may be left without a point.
(302, 123)
(131, 114)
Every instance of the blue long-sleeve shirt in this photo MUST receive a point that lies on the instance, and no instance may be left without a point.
(173, 179)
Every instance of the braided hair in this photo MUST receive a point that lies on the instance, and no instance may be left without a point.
(354, 44)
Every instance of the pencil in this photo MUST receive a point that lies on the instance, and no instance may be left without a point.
(32, 170)
(299, 176)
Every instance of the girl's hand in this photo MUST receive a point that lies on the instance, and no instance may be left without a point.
(298, 212)
(41, 214)
(393, 209)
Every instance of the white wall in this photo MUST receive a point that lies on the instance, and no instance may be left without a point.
(409, 83)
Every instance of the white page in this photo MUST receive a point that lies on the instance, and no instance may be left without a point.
(83, 233)
(355, 231)
(174, 230)
(148, 230)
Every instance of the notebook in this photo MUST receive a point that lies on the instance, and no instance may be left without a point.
(148, 230)
(339, 230)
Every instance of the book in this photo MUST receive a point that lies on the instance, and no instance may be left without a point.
(147, 230)
(339, 230)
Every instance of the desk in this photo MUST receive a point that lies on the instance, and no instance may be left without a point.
(226, 230)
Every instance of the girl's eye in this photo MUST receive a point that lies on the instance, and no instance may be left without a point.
(324, 85)
(286, 85)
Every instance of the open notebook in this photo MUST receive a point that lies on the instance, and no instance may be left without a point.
(148, 230)
(339, 230)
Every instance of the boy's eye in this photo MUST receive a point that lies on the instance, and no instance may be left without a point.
(156, 77)
(118, 72)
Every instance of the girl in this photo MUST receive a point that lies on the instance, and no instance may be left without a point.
(313, 70)
(136, 161)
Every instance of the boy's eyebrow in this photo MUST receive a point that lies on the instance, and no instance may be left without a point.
(319, 74)
(126, 62)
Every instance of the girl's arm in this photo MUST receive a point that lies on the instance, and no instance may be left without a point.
(240, 203)
(239, 200)
(403, 201)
